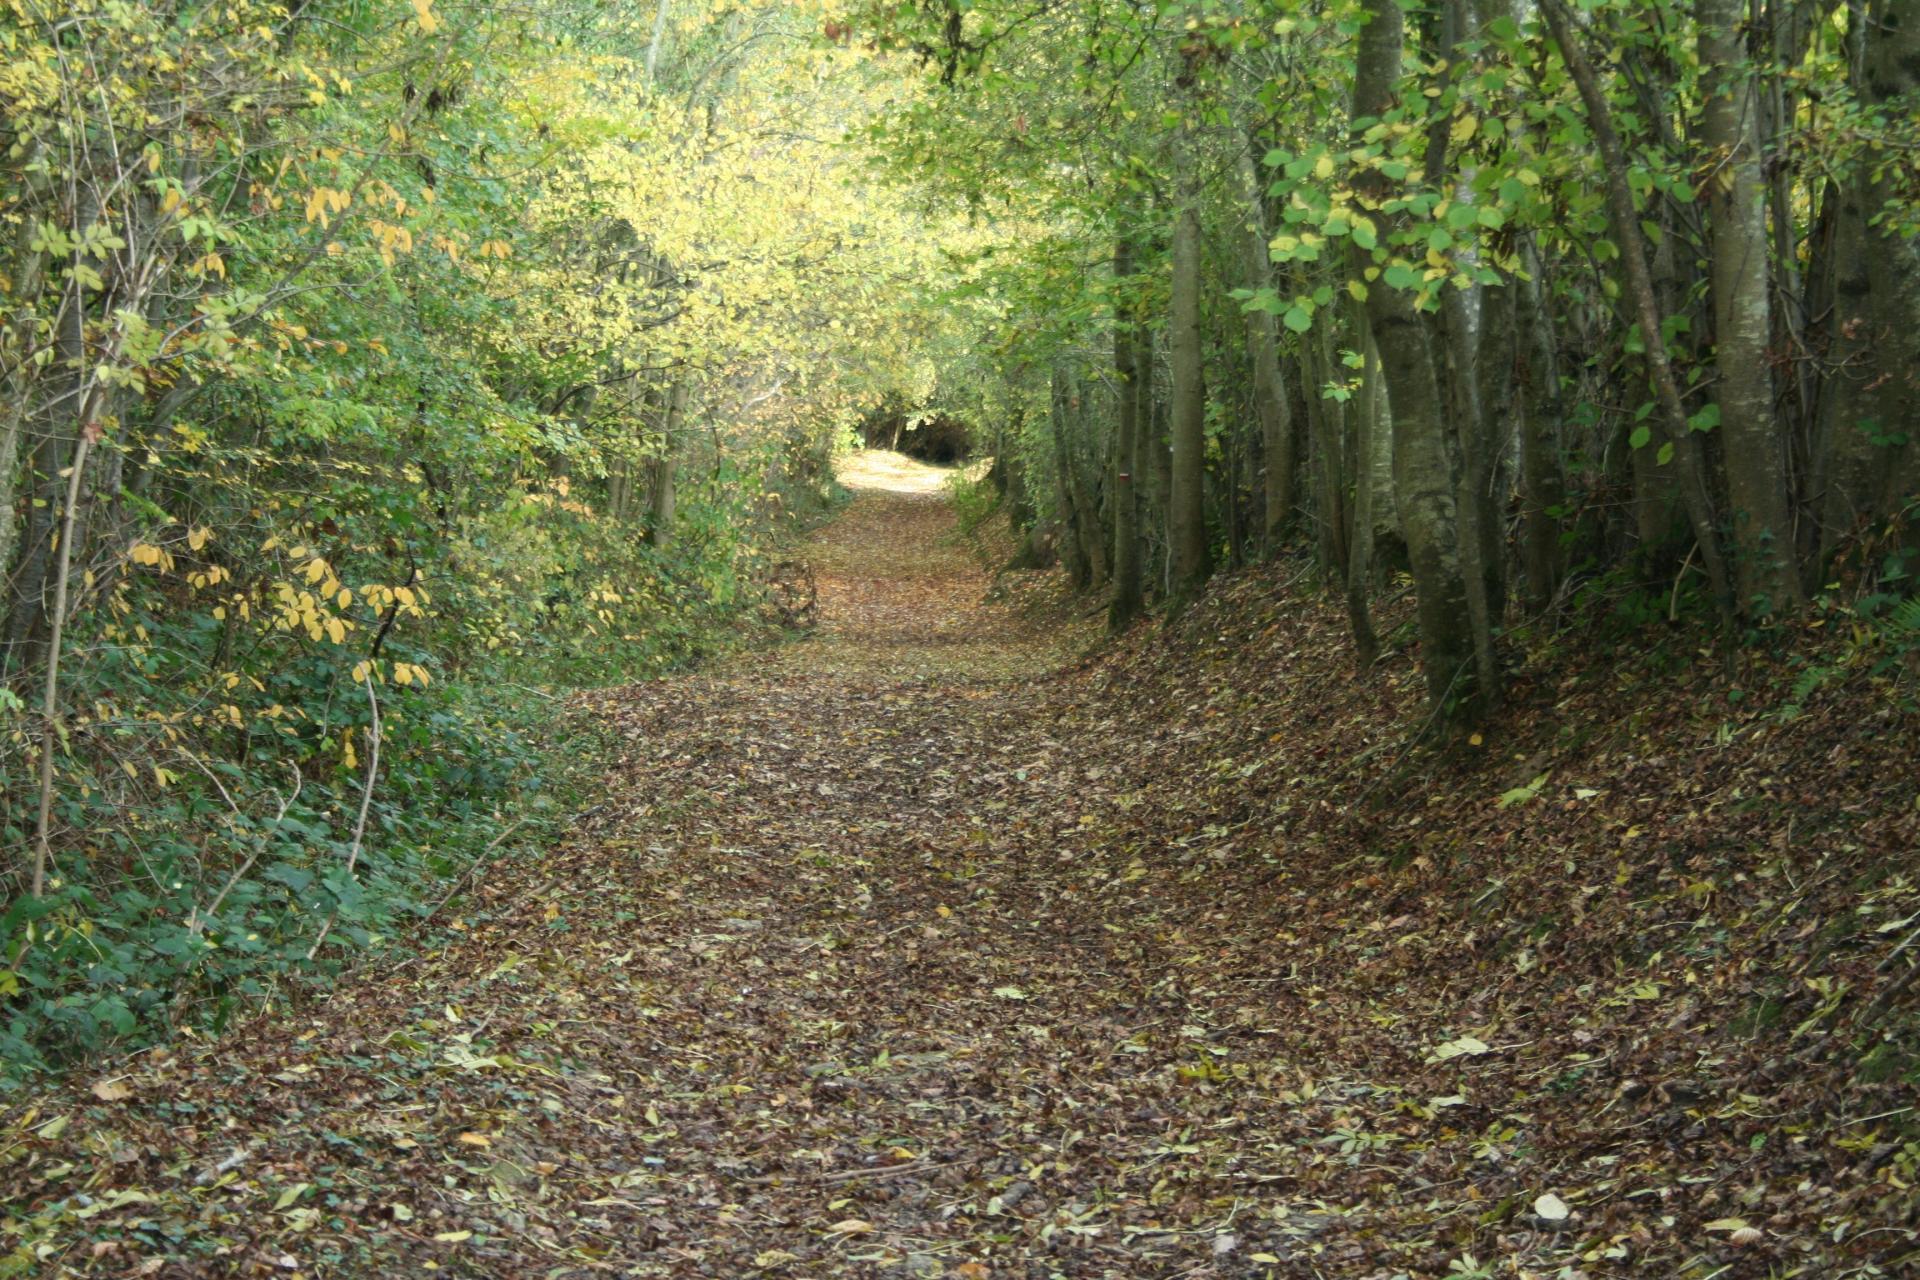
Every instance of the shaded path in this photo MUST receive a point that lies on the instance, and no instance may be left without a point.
(804, 998)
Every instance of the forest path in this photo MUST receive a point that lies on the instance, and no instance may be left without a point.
(815, 992)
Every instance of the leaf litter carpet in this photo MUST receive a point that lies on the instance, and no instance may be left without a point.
(916, 948)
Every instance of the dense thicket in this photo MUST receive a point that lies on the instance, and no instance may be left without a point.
(365, 364)
(1544, 305)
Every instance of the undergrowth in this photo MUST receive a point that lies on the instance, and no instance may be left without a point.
(243, 814)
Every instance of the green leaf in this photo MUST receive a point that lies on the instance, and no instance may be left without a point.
(1641, 435)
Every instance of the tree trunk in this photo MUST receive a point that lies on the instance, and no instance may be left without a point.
(1480, 565)
(1073, 545)
(661, 495)
(659, 37)
(1327, 431)
(1270, 397)
(58, 411)
(1128, 595)
(1754, 460)
(1086, 500)
(1542, 487)
(1360, 549)
(1190, 552)
(1423, 480)
(1870, 456)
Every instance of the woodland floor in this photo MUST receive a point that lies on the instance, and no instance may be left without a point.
(917, 947)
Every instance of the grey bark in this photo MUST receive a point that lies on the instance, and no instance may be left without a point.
(1190, 552)
(1128, 593)
(1753, 457)
(1424, 486)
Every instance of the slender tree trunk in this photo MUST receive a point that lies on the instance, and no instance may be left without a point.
(1754, 460)
(1086, 502)
(1073, 545)
(1128, 594)
(659, 37)
(1479, 550)
(1360, 551)
(1190, 550)
(1654, 490)
(661, 473)
(1633, 256)
(1270, 397)
(1871, 454)
(51, 733)
(27, 612)
(1327, 430)
(1543, 489)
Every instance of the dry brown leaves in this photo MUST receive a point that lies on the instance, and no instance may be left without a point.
(907, 950)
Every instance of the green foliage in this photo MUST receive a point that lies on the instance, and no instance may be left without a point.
(373, 386)
(973, 497)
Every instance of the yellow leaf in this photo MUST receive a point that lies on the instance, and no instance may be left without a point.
(423, 10)
(453, 1237)
(476, 1139)
(1323, 168)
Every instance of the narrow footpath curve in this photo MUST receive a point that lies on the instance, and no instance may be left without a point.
(812, 995)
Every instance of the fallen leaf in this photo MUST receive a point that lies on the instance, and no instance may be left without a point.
(1552, 1208)
(112, 1091)
(1464, 1047)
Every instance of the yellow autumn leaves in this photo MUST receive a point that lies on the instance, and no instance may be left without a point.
(311, 600)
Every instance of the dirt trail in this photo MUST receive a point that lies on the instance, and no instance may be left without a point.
(798, 1000)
